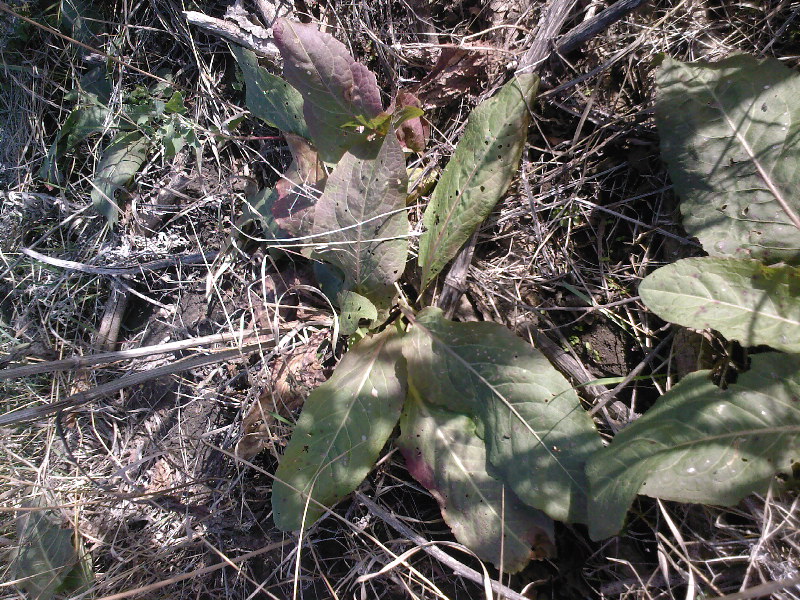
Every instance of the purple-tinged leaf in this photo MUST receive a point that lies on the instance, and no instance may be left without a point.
(444, 453)
(336, 89)
(413, 133)
(297, 191)
(361, 218)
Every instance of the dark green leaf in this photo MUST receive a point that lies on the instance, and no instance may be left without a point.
(118, 164)
(729, 135)
(270, 98)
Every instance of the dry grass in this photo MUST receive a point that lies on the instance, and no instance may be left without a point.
(148, 478)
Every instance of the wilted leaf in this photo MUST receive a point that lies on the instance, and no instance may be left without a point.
(742, 299)
(444, 453)
(412, 132)
(362, 218)
(270, 98)
(729, 135)
(536, 433)
(344, 424)
(46, 554)
(352, 309)
(336, 89)
(478, 173)
(118, 164)
(699, 443)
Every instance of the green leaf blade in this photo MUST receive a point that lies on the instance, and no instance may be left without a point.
(699, 443)
(361, 215)
(478, 174)
(444, 453)
(728, 135)
(742, 299)
(537, 436)
(118, 164)
(344, 424)
(270, 98)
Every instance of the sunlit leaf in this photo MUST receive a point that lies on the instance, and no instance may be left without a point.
(352, 309)
(478, 174)
(700, 443)
(336, 89)
(344, 424)
(742, 299)
(729, 135)
(536, 433)
(444, 453)
(360, 215)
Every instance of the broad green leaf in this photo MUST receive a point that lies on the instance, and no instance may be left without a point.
(352, 308)
(536, 433)
(361, 217)
(699, 443)
(444, 453)
(90, 116)
(118, 164)
(742, 299)
(344, 424)
(46, 554)
(336, 89)
(729, 133)
(478, 174)
(175, 105)
(270, 98)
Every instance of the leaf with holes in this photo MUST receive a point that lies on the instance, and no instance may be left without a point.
(536, 433)
(118, 164)
(478, 173)
(361, 217)
(336, 89)
(270, 98)
(729, 135)
(344, 424)
(352, 309)
(742, 299)
(699, 443)
(444, 453)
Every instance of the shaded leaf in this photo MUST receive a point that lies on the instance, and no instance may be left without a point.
(81, 20)
(699, 443)
(297, 191)
(46, 554)
(478, 173)
(536, 433)
(742, 299)
(729, 136)
(344, 424)
(360, 215)
(118, 164)
(270, 98)
(90, 116)
(352, 308)
(444, 453)
(336, 89)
